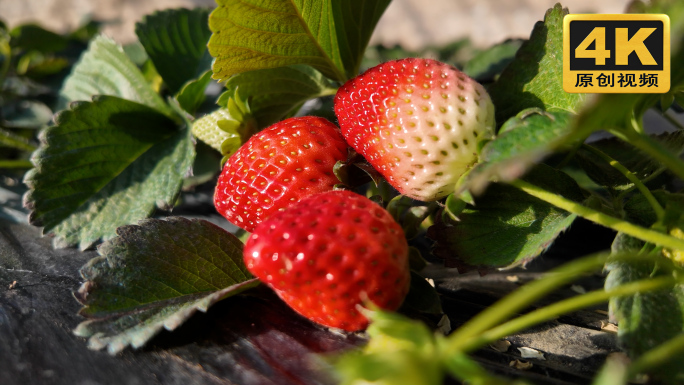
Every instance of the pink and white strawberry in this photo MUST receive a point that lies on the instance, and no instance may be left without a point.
(419, 122)
(278, 166)
(329, 253)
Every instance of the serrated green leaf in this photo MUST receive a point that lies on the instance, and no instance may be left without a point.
(156, 275)
(208, 131)
(191, 96)
(507, 226)
(328, 35)
(524, 140)
(535, 77)
(646, 320)
(176, 42)
(104, 69)
(277, 93)
(489, 63)
(105, 164)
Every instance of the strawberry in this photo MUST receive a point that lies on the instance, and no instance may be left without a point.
(419, 122)
(329, 253)
(278, 166)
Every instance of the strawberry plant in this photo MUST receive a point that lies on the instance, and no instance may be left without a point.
(478, 161)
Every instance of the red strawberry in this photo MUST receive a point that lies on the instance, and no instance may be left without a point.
(328, 253)
(418, 122)
(278, 166)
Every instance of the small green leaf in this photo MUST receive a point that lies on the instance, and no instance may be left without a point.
(176, 42)
(524, 141)
(105, 164)
(104, 69)
(401, 351)
(277, 93)
(328, 35)
(535, 77)
(507, 226)
(489, 63)
(156, 275)
(12, 140)
(191, 96)
(32, 37)
(207, 129)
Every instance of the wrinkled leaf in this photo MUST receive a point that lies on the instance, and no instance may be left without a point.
(331, 36)
(523, 141)
(156, 275)
(535, 77)
(277, 93)
(191, 96)
(104, 69)
(176, 42)
(506, 226)
(105, 164)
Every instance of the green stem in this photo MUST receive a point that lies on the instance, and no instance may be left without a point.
(15, 164)
(600, 218)
(647, 179)
(10, 139)
(569, 305)
(657, 208)
(527, 295)
(653, 148)
(657, 356)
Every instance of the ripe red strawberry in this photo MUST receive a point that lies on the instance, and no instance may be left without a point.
(418, 122)
(329, 253)
(278, 166)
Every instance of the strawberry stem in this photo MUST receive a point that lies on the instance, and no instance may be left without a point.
(470, 335)
(569, 305)
(653, 148)
(600, 218)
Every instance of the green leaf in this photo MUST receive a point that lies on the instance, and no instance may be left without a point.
(523, 141)
(105, 164)
(207, 129)
(32, 37)
(12, 140)
(274, 94)
(535, 77)
(488, 64)
(156, 275)
(176, 42)
(331, 36)
(506, 226)
(26, 114)
(401, 351)
(639, 163)
(191, 96)
(646, 320)
(422, 297)
(104, 69)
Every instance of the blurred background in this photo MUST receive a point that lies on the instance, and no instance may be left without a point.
(411, 23)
